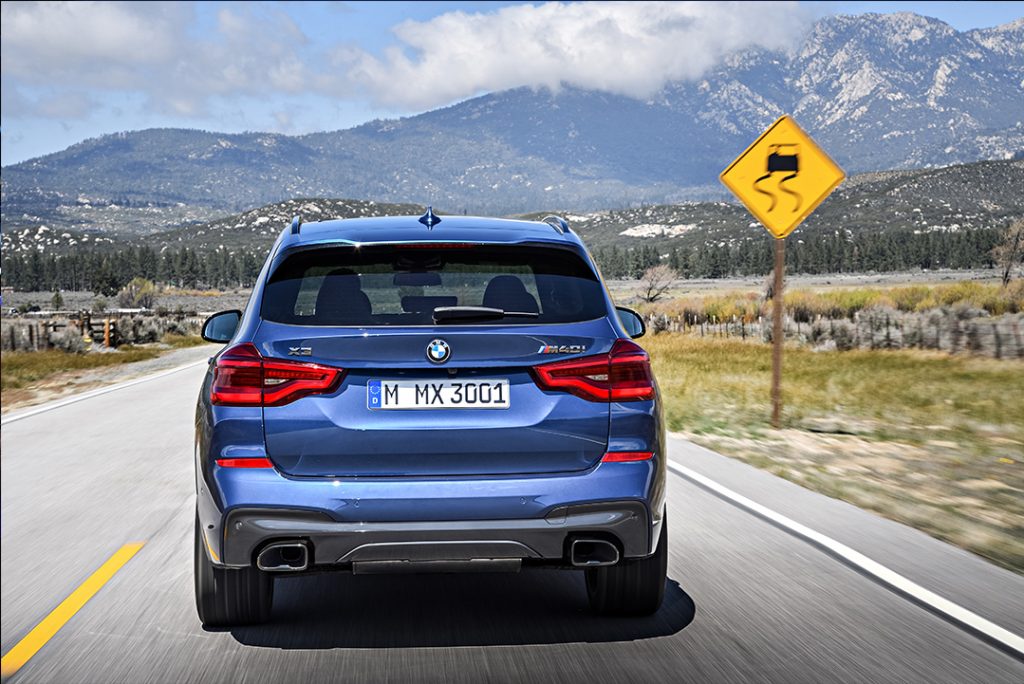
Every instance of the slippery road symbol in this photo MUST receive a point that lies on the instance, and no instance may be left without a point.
(782, 158)
(782, 177)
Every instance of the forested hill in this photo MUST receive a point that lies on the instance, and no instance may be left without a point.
(934, 218)
(106, 271)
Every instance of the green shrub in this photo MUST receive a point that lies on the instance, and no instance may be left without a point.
(138, 294)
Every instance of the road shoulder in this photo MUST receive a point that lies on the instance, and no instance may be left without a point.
(84, 382)
(957, 575)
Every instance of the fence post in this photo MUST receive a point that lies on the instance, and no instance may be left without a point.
(999, 342)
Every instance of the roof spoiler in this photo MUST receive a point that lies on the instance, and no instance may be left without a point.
(558, 223)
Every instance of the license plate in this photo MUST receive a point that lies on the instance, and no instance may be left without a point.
(437, 394)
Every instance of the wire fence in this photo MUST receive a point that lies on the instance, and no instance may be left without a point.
(78, 331)
(954, 330)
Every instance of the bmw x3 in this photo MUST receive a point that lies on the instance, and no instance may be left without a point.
(428, 394)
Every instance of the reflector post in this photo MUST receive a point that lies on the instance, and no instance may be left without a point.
(244, 463)
(627, 456)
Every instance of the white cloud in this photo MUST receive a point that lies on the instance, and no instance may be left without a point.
(147, 48)
(284, 120)
(629, 48)
(96, 43)
(58, 58)
(252, 54)
(65, 105)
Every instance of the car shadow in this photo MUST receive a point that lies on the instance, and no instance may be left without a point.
(335, 610)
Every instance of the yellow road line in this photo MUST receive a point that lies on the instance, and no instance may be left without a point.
(51, 624)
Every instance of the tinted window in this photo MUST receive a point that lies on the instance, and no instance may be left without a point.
(402, 285)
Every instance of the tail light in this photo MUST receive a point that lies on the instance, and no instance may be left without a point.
(623, 374)
(242, 377)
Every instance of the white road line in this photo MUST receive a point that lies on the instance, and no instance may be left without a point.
(972, 621)
(21, 415)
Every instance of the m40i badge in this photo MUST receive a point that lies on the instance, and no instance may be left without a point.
(562, 349)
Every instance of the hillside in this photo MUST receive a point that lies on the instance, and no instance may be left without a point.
(950, 199)
(947, 218)
(257, 229)
(894, 91)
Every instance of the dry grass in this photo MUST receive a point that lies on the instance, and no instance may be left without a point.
(930, 440)
(806, 304)
(19, 370)
(183, 341)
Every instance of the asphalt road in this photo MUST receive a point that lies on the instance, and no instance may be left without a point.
(747, 601)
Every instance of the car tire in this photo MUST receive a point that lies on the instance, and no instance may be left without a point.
(631, 587)
(227, 597)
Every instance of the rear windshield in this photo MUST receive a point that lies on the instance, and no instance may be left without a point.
(402, 285)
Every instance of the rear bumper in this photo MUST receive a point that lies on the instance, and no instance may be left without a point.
(348, 520)
(333, 543)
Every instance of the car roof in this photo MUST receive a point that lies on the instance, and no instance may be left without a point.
(409, 229)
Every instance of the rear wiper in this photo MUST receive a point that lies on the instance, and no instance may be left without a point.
(476, 313)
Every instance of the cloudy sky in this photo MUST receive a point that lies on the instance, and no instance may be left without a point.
(80, 69)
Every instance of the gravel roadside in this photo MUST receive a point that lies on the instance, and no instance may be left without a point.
(81, 381)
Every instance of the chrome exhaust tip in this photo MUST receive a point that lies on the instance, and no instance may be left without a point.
(593, 553)
(288, 556)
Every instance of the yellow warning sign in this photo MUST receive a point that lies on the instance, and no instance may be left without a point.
(782, 177)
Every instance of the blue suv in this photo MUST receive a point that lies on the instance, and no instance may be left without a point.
(428, 394)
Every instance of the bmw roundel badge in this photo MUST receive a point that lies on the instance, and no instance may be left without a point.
(438, 351)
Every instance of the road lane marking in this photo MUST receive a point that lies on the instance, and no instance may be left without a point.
(999, 636)
(51, 624)
(60, 403)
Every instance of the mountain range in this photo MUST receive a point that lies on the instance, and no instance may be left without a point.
(877, 91)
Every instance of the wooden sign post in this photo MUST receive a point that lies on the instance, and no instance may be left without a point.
(781, 178)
